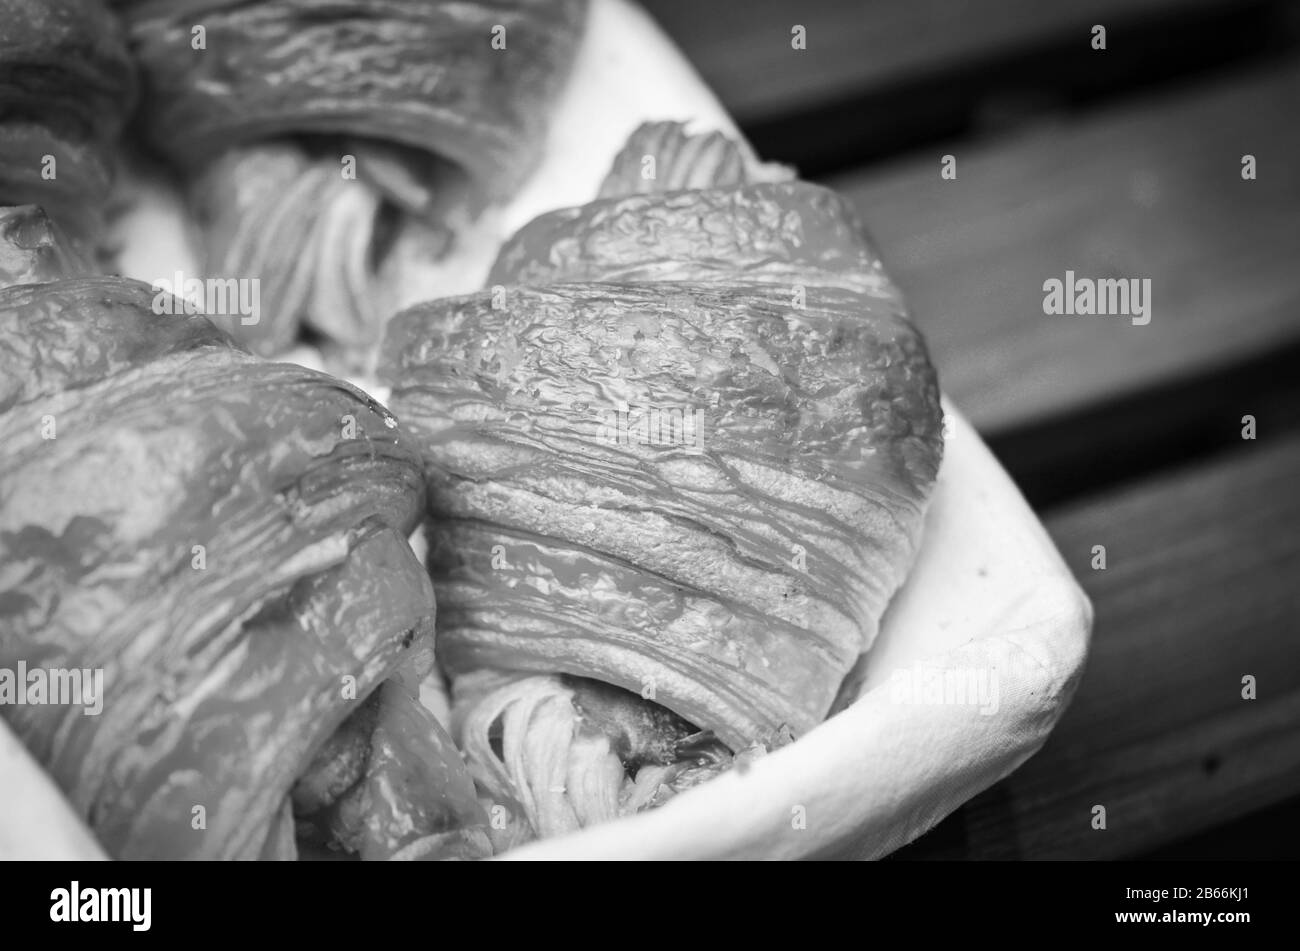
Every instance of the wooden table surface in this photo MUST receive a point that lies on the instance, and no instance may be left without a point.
(1123, 162)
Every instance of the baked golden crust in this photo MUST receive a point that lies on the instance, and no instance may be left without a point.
(735, 564)
(221, 544)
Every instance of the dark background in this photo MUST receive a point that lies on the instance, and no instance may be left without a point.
(1123, 162)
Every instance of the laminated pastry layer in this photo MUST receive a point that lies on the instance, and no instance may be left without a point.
(678, 459)
(223, 542)
(67, 84)
(664, 157)
(67, 334)
(793, 234)
(420, 73)
(35, 250)
(315, 136)
(694, 485)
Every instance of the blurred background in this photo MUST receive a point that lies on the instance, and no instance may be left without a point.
(1122, 162)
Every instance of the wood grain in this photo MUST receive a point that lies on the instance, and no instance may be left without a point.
(1199, 590)
(1150, 190)
(743, 50)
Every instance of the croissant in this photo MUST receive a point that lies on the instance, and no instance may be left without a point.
(209, 551)
(67, 85)
(678, 456)
(316, 136)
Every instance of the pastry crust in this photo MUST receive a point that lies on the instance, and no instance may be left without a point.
(222, 543)
(314, 136)
(738, 577)
(67, 85)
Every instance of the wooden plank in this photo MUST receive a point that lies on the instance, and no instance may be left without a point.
(1149, 191)
(1199, 590)
(743, 47)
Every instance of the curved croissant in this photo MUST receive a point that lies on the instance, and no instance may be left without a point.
(209, 552)
(67, 85)
(680, 453)
(314, 133)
